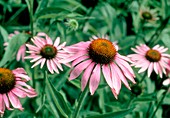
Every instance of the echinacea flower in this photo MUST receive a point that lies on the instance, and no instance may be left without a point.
(96, 57)
(21, 51)
(150, 59)
(147, 14)
(44, 51)
(12, 87)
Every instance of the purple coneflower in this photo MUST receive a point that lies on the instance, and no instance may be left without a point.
(21, 51)
(44, 51)
(12, 87)
(96, 57)
(150, 59)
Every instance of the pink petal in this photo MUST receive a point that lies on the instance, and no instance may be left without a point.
(29, 92)
(18, 83)
(42, 62)
(37, 58)
(127, 70)
(49, 66)
(114, 93)
(95, 79)
(6, 101)
(14, 101)
(107, 74)
(78, 69)
(155, 67)
(58, 64)
(21, 53)
(61, 46)
(32, 47)
(38, 62)
(86, 75)
(150, 69)
(78, 60)
(54, 66)
(144, 67)
(23, 76)
(2, 105)
(57, 41)
(79, 54)
(19, 92)
(18, 71)
(117, 73)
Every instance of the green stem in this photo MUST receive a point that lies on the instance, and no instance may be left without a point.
(31, 18)
(160, 102)
(80, 103)
(143, 77)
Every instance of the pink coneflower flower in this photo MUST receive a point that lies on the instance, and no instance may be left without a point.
(148, 15)
(97, 57)
(150, 59)
(44, 51)
(21, 51)
(12, 87)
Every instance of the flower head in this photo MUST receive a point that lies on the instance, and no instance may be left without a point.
(44, 51)
(97, 57)
(12, 87)
(154, 59)
(72, 24)
(147, 14)
(21, 51)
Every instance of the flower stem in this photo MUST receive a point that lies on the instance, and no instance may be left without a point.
(160, 102)
(80, 103)
(143, 77)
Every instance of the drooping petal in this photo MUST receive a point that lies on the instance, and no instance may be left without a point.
(6, 101)
(95, 79)
(107, 74)
(86, 75)
(14, 101)
(57, 41)
(78, 69)
(150, 69)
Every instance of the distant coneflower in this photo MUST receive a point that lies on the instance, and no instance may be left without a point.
(150, 59)
(148, 15)
(96, 57)
(44, 51)
(12, 87)
(21, 51)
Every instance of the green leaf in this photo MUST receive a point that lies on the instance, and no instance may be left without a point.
(4, 34)
(14, 44)
(146, 98)
(52, 12)
(58, 99)
(166, 39)
(119, 114)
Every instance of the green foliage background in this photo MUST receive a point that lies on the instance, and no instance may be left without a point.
(57, 96)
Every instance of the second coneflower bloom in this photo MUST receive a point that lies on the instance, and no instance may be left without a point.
(150, 59)
(44, 51)
(12, 87)
(96, 57)
(148, 15)
(21, 51)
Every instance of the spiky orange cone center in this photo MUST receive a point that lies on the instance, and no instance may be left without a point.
(102, 51)
(7, 80)
(153, 55)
